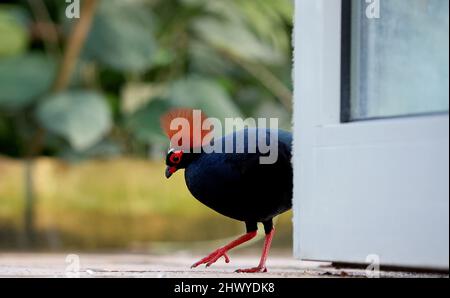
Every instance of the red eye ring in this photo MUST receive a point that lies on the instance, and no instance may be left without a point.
(176, 157)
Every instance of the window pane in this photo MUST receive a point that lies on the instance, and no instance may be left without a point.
(399, 61)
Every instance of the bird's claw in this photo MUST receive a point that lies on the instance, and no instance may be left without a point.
(259, 269)
(212, 258)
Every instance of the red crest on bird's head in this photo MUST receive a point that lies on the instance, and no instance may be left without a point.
(186, 128)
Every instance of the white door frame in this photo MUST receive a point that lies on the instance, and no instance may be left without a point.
(361, 188)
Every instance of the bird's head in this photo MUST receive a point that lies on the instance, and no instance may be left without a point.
(174, 161)
(178, 125)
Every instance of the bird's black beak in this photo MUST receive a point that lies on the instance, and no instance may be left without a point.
(170, 170)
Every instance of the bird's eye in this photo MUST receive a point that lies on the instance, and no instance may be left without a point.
(176, 157)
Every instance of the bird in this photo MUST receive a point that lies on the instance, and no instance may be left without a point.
(236, 184)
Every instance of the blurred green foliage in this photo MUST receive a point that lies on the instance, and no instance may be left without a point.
(82, 117)
(230, 58)
(140, 58)
(13, 33)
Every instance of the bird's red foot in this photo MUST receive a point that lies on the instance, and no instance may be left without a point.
(259, 269)
(213, 257)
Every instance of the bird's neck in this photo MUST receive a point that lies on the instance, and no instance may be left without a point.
(190, 157)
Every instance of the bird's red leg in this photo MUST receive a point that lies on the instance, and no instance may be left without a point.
(215, 255)
(262, 263)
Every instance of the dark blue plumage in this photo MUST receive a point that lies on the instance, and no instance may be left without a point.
(238, 185)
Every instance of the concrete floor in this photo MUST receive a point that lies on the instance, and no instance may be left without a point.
(177, 265)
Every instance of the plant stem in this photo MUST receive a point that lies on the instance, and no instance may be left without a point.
(74, 45)
(46, 27)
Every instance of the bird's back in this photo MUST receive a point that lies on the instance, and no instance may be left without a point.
(238, 185)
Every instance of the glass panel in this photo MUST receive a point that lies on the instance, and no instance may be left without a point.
(399, 61)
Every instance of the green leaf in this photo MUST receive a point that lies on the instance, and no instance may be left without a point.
(145, 125)
(203, 59)
(268, 19)
(24, 78)
(80, 117)
(121, 36)
(204, 94)
(14, 37)
(252, 30)
(236, 38)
